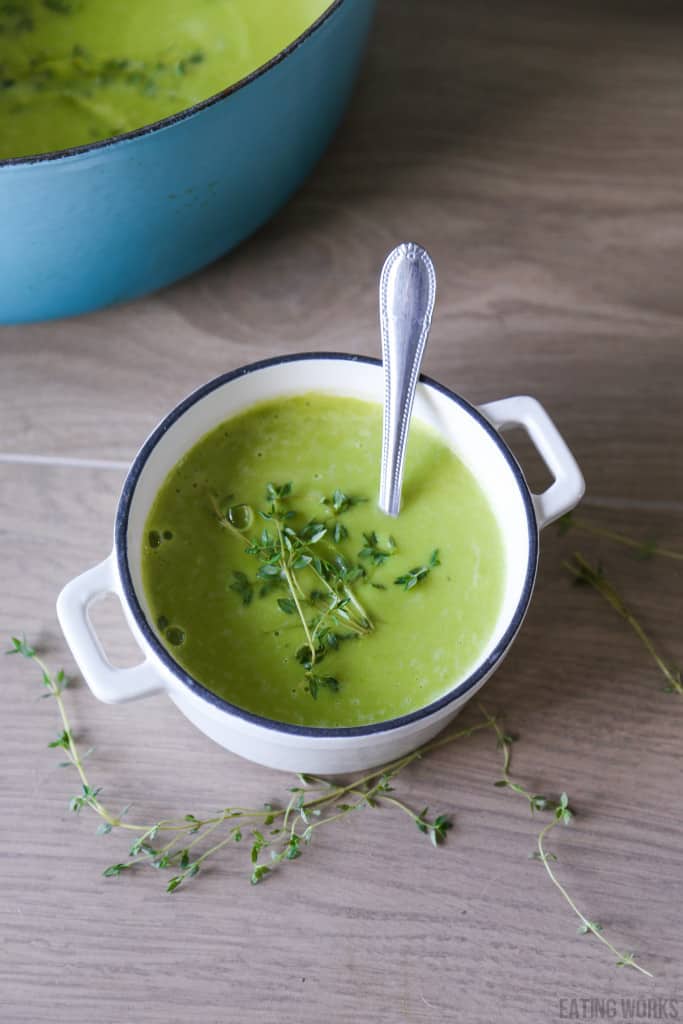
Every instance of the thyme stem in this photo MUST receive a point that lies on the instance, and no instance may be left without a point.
(584, 526)
(584, 572)
(625, 958)
(72, 749)
(292, 589)
(561, 815)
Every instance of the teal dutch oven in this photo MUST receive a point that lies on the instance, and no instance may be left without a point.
(98, 224)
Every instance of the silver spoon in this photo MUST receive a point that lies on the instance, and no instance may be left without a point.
(407, 286)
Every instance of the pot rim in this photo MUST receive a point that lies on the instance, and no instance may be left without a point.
(186, 112)
(481, 670)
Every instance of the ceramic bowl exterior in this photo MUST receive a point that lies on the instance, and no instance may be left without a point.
(474, 434)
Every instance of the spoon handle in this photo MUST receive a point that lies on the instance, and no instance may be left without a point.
(407, 287)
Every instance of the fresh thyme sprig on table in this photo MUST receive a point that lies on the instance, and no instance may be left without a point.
(179, 845)
(562, 814)
(283, 831)
(594, 576)
(644, 548)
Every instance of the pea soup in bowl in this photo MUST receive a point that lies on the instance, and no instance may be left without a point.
(283, 613)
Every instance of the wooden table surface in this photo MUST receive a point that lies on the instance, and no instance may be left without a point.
(537, 153)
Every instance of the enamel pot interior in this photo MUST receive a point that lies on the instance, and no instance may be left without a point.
(463, 428)
(164, 122)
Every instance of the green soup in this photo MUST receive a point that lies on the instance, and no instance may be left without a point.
(74, 71)
(227, 614)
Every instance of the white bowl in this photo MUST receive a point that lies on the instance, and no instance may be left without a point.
(473, 434)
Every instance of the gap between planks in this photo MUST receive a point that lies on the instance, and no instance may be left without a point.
(69, 462)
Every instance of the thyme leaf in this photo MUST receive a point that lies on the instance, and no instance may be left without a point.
(418, 575)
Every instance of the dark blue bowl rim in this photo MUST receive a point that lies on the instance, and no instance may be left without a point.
(165, 122)
(121, 547)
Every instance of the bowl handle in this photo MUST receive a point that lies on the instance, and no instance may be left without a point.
(567, 489)
(109, 684)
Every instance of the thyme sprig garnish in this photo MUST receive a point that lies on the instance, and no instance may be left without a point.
(644, 549)
(289, 554)
(282, 833)
(292, 558)
(243, 586)
(417, 575)
(594, 576)
(562, 814)
(374, 551)
(338, 503)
